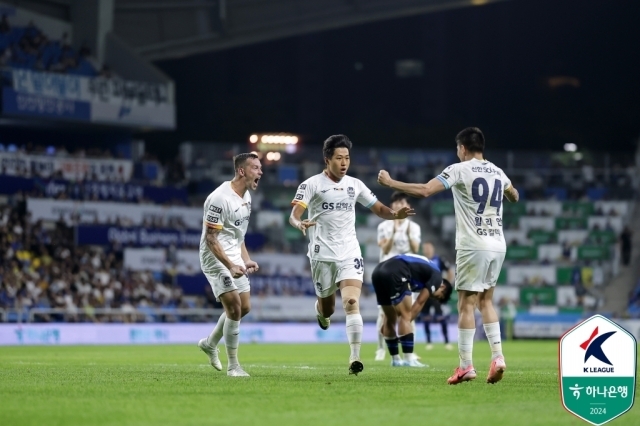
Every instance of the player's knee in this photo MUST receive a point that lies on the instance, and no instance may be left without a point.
(234, 312)
(484, 304)
(351, 305)
(245, 310)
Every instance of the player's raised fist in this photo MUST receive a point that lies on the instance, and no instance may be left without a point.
(251, 266)
(237, 271)
(383, 178)
(404, 213)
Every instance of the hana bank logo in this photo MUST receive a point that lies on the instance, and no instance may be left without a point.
(593, 348)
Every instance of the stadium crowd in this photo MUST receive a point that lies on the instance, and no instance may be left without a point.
(28, 47)
(42, 268)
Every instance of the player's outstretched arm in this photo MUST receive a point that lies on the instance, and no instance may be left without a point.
(420, 190)
(386, 213)
(512, 194)
(295, 219)
(217, 250)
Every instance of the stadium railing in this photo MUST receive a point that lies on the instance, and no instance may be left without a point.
(132, 315)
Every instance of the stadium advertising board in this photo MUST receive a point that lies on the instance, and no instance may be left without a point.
(109, 212)
(186, 333)
(92, 190)
(97, 100)
(102, 235)
(17, 164)
(536, 326)
(145, 259)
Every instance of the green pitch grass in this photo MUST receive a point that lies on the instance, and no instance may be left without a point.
(293, 385)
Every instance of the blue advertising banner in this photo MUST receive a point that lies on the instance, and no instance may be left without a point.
(92, 190)
(14, 103)
(136, 237)
(96, 100)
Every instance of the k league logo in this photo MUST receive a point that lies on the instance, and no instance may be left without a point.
(597, 370)
(593, 348)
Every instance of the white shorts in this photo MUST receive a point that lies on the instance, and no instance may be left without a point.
(478, 270)
(221, 282)
(326, 275)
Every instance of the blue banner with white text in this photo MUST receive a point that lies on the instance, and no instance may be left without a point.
(113, 191)
(104, 235)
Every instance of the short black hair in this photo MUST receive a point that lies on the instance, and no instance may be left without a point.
(333, 142)
(472, 139)
(240, 159)
(448, 289)
(399, 196)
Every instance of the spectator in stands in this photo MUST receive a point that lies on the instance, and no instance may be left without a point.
(105, 71)
(576, 281)
(625, 245)
(4, 25)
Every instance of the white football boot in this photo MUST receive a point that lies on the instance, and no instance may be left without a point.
(237, 371)
(212, 353)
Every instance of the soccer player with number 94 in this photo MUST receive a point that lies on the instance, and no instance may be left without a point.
(478, 188)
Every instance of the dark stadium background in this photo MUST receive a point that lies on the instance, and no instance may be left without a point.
(492, 65)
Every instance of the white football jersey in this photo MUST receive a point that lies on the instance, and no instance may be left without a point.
(332, 206)
(478, 187)
(407, 231)
(224, 209)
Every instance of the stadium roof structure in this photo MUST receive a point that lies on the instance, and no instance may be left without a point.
(165, 29)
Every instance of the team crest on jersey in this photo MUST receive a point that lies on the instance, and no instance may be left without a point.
(351, 192)
(226, 281)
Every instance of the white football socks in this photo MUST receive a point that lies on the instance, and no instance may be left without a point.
(465, 346)
(354, 334)
(216, 335)
(231, 338)
(492, 331)
(381, 344)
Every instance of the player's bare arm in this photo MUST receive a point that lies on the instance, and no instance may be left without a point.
(386, 213)
(417, 306)
(419, 190)
(512, 194)
(451, 275)
(414, 245)
(216, 248)
(248, 263)
(296, 221)
(385, 244)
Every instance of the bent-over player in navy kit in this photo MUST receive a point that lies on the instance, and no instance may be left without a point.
(393, 281)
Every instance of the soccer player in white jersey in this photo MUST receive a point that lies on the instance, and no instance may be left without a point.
(478, 187)
(400, 236)
(334, 251)
(224, 258)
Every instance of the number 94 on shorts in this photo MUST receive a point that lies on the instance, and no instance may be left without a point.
(327, 274)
